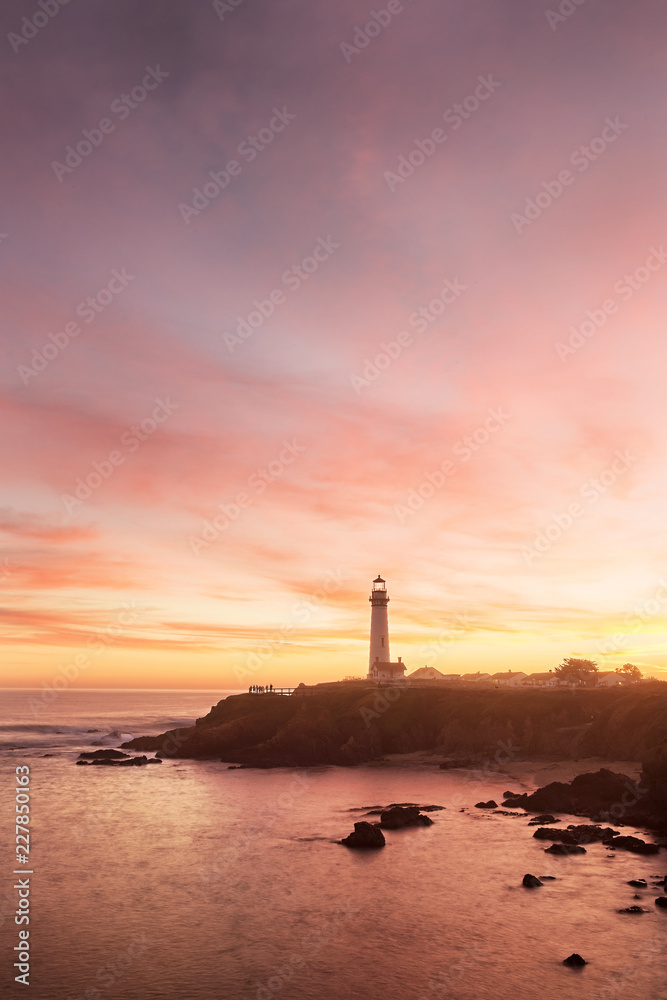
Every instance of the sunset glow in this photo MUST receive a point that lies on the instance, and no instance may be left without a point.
(306, 313)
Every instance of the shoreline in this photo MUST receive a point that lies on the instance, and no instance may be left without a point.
(542, 771)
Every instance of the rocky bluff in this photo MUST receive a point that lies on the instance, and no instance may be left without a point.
(356, 722)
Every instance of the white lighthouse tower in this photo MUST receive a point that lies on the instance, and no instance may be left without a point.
(380, 666)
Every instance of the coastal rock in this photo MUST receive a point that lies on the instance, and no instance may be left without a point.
(111, 762)
(565, 849)
(547, 833)
(398, 817)
(606, 795)
(531, 881)
(378, 810)
(103, 755)
(633, 844)
(491, 804)
(574, 960)
(661, 901)
(638, 883)
(632, 909)
(365, 835)
(544, 818)
(583, 834)
(510, 795)
(586, 833)
(325, 724)
(590, 794)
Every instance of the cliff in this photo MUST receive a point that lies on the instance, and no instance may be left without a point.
(353, 723)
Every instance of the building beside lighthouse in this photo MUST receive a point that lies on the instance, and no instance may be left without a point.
(380, 666)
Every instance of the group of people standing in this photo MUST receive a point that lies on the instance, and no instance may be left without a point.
(260, 689)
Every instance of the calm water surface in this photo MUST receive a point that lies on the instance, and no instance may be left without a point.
(189, 880)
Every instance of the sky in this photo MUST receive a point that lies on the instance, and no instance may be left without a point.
(296, 294)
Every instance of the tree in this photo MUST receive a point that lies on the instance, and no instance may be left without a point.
(630, 671)
(577, 671)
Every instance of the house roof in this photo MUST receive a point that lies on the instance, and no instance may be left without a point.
(507, 674)
(423, 671)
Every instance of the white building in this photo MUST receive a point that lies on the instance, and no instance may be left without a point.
(431, 674)
(543, 679)
(609, 678)
(510, 678)
(380, 666)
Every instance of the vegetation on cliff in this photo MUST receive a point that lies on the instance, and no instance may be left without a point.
(354, 723)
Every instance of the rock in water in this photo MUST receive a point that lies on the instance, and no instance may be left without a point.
(486, 805)
(661, 901)
(398, 817)
(634, 844)
(574, 960)
(638, 883)
(365, 835)
(565, 849)
(531, 881)
(103, 755)
(632, 909)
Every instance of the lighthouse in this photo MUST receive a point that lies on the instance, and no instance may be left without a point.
(380, 666)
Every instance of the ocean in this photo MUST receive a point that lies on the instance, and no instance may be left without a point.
(191, 881)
